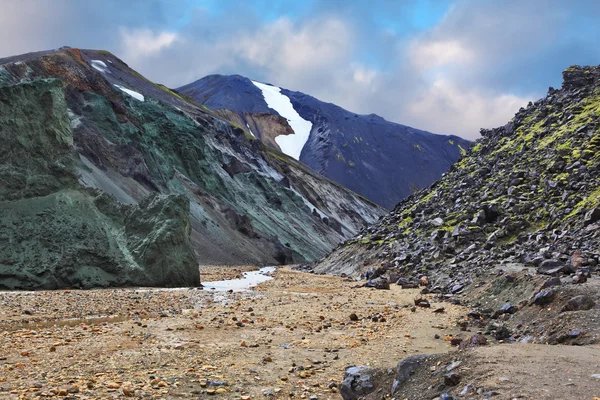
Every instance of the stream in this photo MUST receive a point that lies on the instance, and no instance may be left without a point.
(249, 280)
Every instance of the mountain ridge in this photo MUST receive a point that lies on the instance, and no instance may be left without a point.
(381, 160)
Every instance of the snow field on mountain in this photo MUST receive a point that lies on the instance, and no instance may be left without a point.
(289, 144)
(99, 66)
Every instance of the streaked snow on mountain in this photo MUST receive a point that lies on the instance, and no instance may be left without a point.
(134, 94)
(100, 66)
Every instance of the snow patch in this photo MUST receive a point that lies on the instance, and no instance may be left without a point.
(134, 94)
(289, 144)
(249, 280)
(100, 66)
(252, 133)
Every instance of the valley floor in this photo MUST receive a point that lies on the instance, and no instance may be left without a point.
(291, 337)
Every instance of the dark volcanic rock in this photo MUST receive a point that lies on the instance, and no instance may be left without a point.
(578, 303)
(544, 297)
(379, 283)
(405, 370)
(358, 382)
(592, 216)
(551, 267)
(473, 341)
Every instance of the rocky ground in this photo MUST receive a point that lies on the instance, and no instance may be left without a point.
(293, 336)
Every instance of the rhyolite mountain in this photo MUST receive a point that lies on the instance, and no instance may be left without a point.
(108, 179)
(381, 160)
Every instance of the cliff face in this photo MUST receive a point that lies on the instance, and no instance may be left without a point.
(166, 165)
(53, 232)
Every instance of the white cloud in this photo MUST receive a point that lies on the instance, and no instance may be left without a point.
(141, 43)
(283, 48)
(444, 104)
(364, 76)
(438, 53)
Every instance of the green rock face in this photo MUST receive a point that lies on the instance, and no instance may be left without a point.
(55, 233)
(102, 188)
(36, 141)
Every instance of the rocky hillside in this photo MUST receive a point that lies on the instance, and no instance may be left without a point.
(381, 160)
(126, 173)
(513, 225)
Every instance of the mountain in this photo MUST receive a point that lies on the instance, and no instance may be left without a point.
(381, 160)
(516, 221)
(108, 179)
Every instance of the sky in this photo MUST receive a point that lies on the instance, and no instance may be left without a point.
(447, 66)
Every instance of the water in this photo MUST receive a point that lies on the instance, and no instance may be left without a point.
(249, 280)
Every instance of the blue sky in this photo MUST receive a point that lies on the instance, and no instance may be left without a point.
(448, 66)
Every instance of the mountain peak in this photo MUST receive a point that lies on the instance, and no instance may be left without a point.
(380, 160)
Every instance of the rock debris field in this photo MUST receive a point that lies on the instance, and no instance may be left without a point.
(290, 337)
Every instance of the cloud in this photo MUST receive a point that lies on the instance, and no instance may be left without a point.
(140, 43)
(281, 46)
(432, 54)
(449, 66)
(445, 104)
(363, 75)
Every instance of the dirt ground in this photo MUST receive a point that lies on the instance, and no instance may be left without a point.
(505, 372)
(292, 337)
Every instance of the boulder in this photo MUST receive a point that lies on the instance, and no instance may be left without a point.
(551, 267)
(491, 212)
(473, 341)
(406, 369)
(579, 303)
(592, 216)
(379, 283)
(358, 382)
(544, 297)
